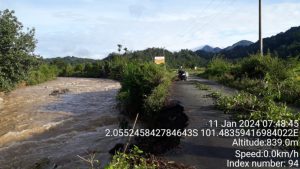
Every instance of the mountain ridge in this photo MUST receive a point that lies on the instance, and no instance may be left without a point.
(239, 43)
(284, 44)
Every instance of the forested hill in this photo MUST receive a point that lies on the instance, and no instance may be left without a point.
(184, 57)
(69, 60)
(285, 44)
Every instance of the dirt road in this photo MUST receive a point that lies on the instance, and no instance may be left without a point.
(202, 152)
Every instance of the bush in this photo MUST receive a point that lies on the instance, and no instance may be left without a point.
(41, 74)
(258, 67)
(156, 100)
(138, 82)
(218, 67)
(247, 106)
(117, 67)
(264, 76)
(133, 160)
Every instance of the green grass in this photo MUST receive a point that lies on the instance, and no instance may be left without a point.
(201, 86)
(214, 95)
(247, 106)
(133, 160)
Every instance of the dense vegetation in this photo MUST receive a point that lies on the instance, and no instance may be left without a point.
(184, 57)
(16, 47)
(144, 88)
(79, 67)
(247, 106)
(41, 73)
(18, 64)
(69, 60)
(264, 76)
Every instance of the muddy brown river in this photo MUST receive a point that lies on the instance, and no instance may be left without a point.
(37, 128)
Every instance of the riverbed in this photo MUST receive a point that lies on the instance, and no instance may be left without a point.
(37, 128)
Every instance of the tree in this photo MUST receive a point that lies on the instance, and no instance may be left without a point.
(79, 68)
(126, 50)
(16, 50)
(119, 47)
(68, 70)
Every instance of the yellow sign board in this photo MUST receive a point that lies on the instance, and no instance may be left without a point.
(159, 60)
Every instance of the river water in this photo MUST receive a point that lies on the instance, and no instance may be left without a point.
(40, 129)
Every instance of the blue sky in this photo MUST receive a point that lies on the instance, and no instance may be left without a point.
(93, 28)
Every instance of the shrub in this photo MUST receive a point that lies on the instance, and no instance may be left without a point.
(43, 73)
(247, 106)
(156, 100)
(117, 69)
(133, 160)
(257, 67)
(218, 67)
(265, 76)
(138, 82)
(289, 91)
(79, 68)
(68, 70)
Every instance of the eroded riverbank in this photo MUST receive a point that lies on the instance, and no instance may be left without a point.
(36, 126)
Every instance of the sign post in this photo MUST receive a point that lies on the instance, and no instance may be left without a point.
(159, 60)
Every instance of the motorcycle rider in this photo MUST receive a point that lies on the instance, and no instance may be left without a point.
(182, 75)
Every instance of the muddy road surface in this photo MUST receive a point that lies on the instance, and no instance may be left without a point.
(40, 129)
(203, 152)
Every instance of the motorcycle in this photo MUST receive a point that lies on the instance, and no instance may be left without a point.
(182, 75)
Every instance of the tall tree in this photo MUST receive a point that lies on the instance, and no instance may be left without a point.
(16, 50)
(126, 50)
(119, 47)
